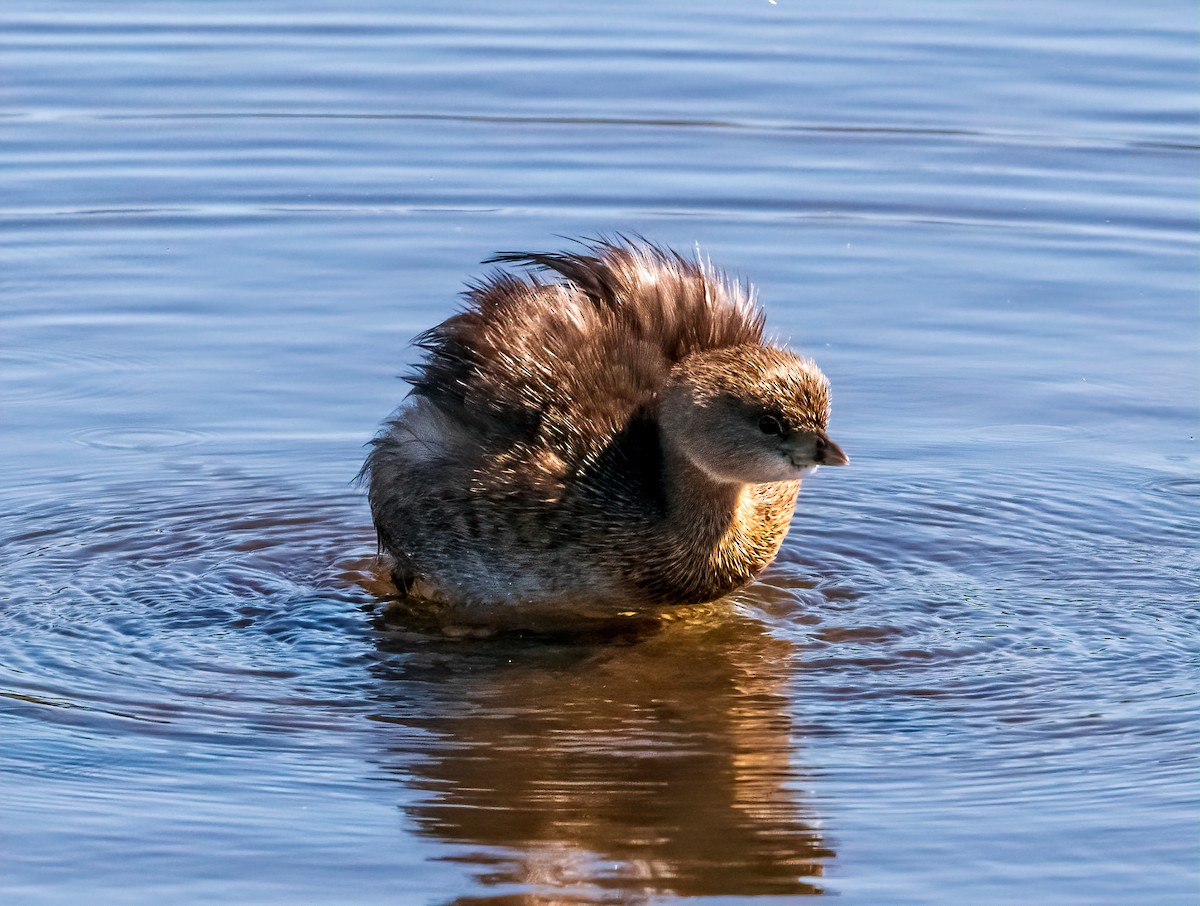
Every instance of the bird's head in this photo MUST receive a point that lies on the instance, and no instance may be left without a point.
(749, 414)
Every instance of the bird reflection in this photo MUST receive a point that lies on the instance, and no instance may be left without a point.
(594, 767)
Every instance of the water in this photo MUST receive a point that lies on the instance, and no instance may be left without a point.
(970, 678)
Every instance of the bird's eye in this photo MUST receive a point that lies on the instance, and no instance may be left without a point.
(769, 424)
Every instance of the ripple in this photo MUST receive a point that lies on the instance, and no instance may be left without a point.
(181, 607)
(1174, 487)
(1027, 434)
(137, 438)
(35, 375)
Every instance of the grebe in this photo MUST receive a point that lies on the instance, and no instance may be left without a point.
(614, 437)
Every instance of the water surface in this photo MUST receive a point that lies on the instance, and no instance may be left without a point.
(971, 677)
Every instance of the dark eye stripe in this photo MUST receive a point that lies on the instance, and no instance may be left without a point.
(769, 424)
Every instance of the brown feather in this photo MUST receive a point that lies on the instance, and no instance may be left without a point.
(531, 463)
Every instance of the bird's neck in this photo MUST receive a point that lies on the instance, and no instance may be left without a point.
(722, 533)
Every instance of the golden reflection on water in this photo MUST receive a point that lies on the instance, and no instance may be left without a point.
(658, 761)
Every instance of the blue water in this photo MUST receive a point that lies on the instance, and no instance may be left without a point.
(972, 675)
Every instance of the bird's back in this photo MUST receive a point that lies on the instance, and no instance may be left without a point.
(553, 371)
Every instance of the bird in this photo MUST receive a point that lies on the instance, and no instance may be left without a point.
(598, 430)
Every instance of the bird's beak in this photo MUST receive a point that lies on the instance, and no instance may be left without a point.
(829, 453)
(809, 450)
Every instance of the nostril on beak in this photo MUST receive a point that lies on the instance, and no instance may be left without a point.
(828, 453)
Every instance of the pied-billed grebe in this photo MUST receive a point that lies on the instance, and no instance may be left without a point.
(619, 437)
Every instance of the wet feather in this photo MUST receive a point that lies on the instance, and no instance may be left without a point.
(545, 456)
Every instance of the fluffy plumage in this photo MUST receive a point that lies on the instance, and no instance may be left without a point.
(613, 437)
